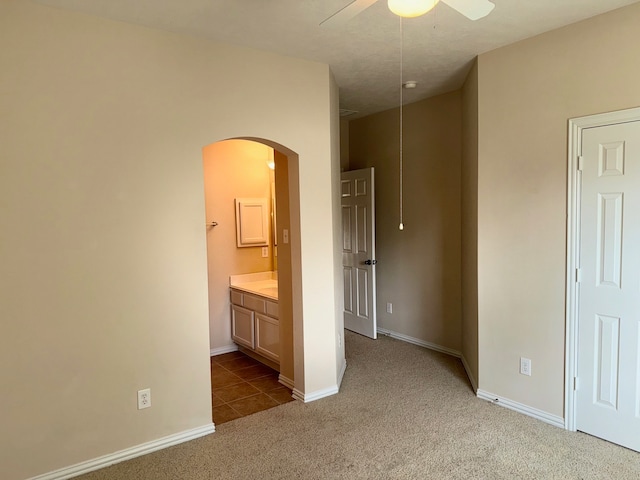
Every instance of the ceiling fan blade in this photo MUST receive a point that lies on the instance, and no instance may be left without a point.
(472, 9)
(345, 14)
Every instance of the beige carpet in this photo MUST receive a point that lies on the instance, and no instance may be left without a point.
(402, 412)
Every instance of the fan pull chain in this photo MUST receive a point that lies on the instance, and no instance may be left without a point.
(401, 226)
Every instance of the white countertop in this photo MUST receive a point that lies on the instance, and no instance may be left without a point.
(263, 284)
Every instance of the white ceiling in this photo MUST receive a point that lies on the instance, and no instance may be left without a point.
(364, 53)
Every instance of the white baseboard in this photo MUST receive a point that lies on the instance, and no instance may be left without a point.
(313, 396)
(342, 370)
(474, 383)
(521, 408)
(287, 382)
(421, 343)
(127, 454)
(226, 349)
(297, 394)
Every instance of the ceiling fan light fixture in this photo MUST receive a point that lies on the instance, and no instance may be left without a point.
(411, 8)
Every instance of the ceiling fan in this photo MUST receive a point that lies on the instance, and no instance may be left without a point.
(472, 9)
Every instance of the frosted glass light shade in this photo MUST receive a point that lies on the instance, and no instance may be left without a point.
(411, 8)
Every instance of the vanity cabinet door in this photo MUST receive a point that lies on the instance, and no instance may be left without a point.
(268, 337)
(242, 326)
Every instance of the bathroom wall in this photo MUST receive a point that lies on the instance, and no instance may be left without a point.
(232, 169)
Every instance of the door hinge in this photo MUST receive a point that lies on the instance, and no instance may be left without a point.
(575, 383)
(580, 162)
(578, 275)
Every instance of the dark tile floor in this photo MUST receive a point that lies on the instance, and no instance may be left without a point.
(241, 386)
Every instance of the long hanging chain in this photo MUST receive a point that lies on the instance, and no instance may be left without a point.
(401, 226)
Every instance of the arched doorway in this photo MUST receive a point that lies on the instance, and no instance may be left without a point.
(235, 169)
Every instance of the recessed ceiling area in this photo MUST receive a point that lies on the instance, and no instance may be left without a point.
(364, 53)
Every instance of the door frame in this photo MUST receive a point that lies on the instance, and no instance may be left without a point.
(576, 127)
(292, 355)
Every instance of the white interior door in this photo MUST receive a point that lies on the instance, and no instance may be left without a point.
(608, 393)
(359, 251)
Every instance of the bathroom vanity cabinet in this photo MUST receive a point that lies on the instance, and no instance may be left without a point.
(255, 324)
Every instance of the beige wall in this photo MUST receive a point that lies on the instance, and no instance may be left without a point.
(232, 169)
(527, 92)
(337, 147)
(419, 268)
(104, 284)
(285, 269)
(469, 204)
(344, 144)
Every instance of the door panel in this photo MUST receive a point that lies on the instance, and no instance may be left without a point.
(608, 397)
(348, 290)
(609, 238)
(358, 246)
(607, 364)
(346, 229)
(363, 292)
(362, 241)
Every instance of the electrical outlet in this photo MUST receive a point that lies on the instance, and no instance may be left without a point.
(525, 366)
(389, 307)
(265, 252)
(339, 340)
(144, 398)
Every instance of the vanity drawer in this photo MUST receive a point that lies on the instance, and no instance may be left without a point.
(256, 304)
(236, 298)
(272, 309)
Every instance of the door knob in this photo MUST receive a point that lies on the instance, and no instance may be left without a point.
(370, 262)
